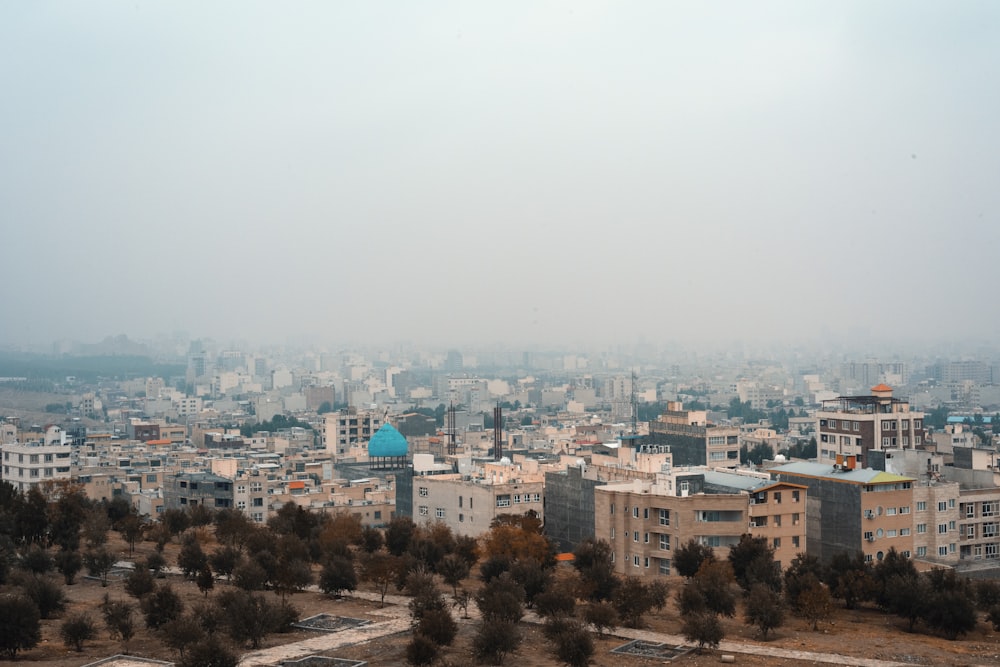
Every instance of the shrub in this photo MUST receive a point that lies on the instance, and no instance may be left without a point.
(77, 629)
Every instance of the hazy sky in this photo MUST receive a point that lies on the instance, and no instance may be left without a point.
(504, 171)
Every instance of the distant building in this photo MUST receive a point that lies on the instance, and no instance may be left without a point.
(467, 503)
(198, 488)
(350, 429)
(47, 459)
(693, 440)
(856, 425)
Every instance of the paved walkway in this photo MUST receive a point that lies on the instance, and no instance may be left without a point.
(398, 620)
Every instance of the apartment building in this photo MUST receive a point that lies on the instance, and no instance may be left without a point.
(197, 488)
(645, 521)
(47, 459)
(857, 425)
(470, 500)
(693, 440)
(347, 431)
(853, 509)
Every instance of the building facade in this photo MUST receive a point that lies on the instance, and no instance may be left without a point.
(857, 425)
(693, 440)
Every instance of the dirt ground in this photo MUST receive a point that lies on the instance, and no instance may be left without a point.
(863, 633)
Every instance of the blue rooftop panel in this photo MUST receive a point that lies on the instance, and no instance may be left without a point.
(387, 441)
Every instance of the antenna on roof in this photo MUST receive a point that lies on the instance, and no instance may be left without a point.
(635, 406)
(451, 429)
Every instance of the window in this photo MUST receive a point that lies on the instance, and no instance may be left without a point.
(664, 566)
(942, 528)
(951, 525)
(951, 503)
(795, 541)
(635, 561)
(942, 506)
(857, 426)
(612, 532)
(664, 543)
(439, 512)
(990, 529)
(833, 423)
(645, 538)
(645, 562)
(612, 509)
(904, 532)
(921, 528)
(942, 551)
(777, 496)
(664, 517)
(904, 510)
(777, 543)
(970, 532)
(921, 552)
(460, 502)
(970, 510)
(890, 533)
(635, 512)
(890, 511)
(992, 550)
(535, 498)
(635, 536)
(423, 510)
(645, 513)
(991, 507)
(917, 423)
(517, 498)
(777, 519)
(921, 506)
(422, 491)
(503, 501)
(795, 496)
(795, 519)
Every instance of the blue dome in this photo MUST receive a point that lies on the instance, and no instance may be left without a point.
(387, 441)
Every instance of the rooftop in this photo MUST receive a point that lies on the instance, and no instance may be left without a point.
(826, 471)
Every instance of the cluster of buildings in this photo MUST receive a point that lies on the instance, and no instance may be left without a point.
(568, 446)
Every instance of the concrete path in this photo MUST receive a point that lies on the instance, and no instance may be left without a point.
(397, 620)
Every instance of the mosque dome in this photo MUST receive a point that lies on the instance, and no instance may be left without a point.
(387, 442)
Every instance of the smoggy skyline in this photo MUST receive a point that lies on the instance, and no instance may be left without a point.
(513, 172)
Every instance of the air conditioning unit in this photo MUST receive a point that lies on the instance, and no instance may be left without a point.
(869, 514)
(870, 538)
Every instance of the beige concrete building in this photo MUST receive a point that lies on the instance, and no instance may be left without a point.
(645, 521)
(468, 502)
(853, 509)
